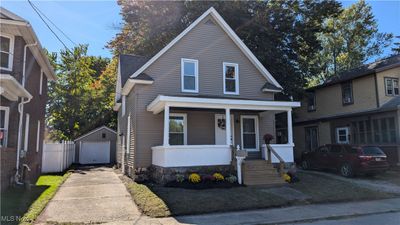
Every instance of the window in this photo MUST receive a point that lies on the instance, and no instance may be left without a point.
(311, 138)
(336, 149)
(347, 93)
(342, 135)
(190, 75)
(177, 129)
(41, 83)
(7, 49)
(128, 134)
(392, 86)
(38, 136)
(311, 101)
(231, 78)
(4, 116)
(374, 131)
(26, 132)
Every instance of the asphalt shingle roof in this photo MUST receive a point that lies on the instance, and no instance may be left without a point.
(129, 64)
(361, 71)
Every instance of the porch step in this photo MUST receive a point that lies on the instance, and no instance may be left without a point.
(260, 172)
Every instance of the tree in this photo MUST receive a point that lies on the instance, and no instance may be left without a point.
(279, 33)
(350, 39)
(396, 48)
(80, 98)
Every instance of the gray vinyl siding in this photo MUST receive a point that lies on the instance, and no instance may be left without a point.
(211, 47)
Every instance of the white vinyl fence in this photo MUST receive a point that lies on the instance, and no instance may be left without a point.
(57, 156)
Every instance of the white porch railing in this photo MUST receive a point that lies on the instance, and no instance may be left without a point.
(285, 151)
(191, 155)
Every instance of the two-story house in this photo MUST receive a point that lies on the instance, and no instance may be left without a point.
(360, 106)
(24, 73)
(185, 107)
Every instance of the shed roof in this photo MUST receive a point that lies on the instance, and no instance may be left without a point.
(94, 131)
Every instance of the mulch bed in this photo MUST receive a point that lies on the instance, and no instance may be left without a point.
(202, 185)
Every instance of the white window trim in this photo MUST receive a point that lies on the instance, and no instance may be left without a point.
(196, 75)
(255, 117)
(26, 132)
(6, 121)
(123, 104)
(41, 82)
(224, 64)
(128, 134)
(38, 136)
(347, 135)
(11, 53)
(184, 115)
(386, 86)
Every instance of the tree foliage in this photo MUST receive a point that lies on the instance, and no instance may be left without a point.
(291, 38)
(350, 39)
(81, 98)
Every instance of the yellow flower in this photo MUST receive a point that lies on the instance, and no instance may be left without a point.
(286, 177)
(194, 178)
(218, 177)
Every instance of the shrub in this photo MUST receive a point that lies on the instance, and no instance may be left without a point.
(231, 179)
(179, 178)
(194, 178)
(218, 177)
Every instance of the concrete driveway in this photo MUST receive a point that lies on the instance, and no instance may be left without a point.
(91, 195)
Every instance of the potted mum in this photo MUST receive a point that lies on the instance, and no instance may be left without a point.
(268, 138)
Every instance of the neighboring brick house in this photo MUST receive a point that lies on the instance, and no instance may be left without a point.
(25, 71)
(184, 108)
(359, 106)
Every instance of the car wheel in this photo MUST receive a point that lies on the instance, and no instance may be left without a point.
(305, 164)
(346, 170)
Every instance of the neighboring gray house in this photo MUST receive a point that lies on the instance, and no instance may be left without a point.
(96, 147)
(186, 107)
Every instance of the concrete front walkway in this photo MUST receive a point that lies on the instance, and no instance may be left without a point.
(91, 195)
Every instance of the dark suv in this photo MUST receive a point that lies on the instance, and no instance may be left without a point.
(348, 159)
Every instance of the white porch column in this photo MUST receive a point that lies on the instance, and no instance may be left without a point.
(290, 126)
(228, 126)
(166, 125)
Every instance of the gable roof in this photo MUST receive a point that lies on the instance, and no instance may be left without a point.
(130, 64)
(94, 131)
(364, 70)
(10, 20)
(228, 30)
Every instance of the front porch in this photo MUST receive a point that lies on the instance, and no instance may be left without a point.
(201, 131)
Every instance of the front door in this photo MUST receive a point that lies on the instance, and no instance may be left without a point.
(220, 131)
(249, 130)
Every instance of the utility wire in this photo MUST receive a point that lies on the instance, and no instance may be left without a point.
(44, 15)
(48, 26)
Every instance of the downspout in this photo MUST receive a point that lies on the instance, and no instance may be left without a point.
(21, 114)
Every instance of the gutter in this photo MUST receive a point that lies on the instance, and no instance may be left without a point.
(21, 116)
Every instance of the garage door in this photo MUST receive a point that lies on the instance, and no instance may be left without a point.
(94, 152)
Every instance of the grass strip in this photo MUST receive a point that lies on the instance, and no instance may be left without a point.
(54, 182)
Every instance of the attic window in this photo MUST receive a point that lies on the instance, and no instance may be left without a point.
(103, 135)
(210, 22)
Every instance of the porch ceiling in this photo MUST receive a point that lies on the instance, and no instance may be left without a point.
(158, 104)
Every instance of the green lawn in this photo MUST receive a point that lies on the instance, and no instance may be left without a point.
(179, 201)
(28, 204)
